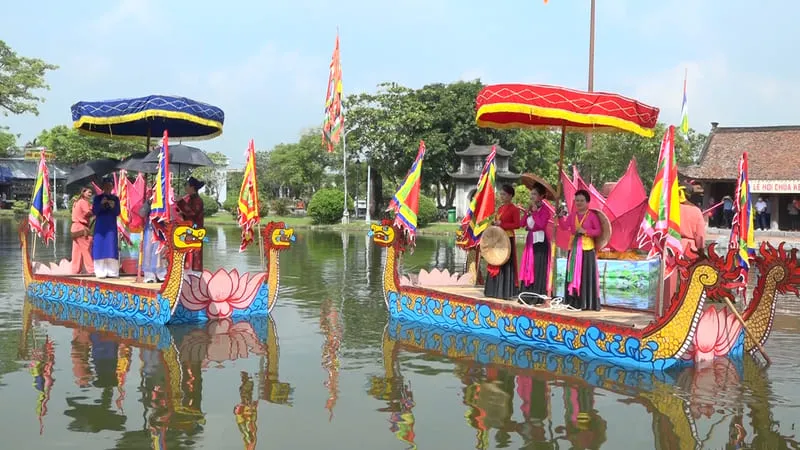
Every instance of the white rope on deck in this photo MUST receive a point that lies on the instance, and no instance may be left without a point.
(556, 303)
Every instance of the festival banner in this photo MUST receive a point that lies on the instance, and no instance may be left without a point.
(124, 218)
(405, 202)
(248, 198)
(482, 206)
(742, 229)
(163, 201)
(334, 115)
(40, 216)
(662, 220)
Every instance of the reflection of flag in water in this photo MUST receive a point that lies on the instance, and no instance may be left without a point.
(481, 207)
(248, 198)
(162, 193)
(40, 216)
(334, 115)
(405, 202)
(124, 218)
(331, 328)
(742, 229)
(662, 220)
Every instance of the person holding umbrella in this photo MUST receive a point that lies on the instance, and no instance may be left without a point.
(81, 234)
(105, 248)
(191, 209)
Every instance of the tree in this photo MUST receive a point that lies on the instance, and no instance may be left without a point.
(70, 147)
(213, 176)
(300, 166)
(19, 77)
(7, 141)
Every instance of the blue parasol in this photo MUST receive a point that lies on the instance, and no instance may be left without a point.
(143, 117)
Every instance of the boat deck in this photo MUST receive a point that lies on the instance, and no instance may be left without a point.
(636, 319)
(123, 280)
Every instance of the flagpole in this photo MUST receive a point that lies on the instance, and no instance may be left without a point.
(260, 244)
(368, 218)
(346, 212)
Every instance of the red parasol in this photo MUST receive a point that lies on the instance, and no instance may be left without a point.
(542, 106)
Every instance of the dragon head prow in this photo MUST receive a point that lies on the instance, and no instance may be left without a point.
(279, 236)
(382, 234)
(719, 275)
(768, 258)
(185, 237)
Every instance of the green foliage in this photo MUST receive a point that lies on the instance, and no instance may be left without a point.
(212, 176)
(70, 147)
(210, 205)
(20, 207)
(19, 78)
(7, 140)
(522, 196)
(326, 206)
(298, 166)
(279, 207)
(427, 211)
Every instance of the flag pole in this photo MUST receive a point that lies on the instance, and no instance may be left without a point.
(261, 245)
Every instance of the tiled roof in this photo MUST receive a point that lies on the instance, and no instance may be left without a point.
(773, 154)
(483, 150)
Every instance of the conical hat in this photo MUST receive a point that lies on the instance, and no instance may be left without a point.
(495, 246)
(605, 236)
(529, 180)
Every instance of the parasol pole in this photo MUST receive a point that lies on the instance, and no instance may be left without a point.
(261, 245)
(559, 192)
(591, 68)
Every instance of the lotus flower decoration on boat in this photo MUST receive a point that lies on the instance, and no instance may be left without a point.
(718, 331)
(63, 267)
(221, 292)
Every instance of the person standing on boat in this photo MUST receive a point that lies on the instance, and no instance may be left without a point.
(191, 209)
(152, 266)
(502, 282)
(81, 233)
(582, 286)
(105, 248)
(535, 264)
(693, 239)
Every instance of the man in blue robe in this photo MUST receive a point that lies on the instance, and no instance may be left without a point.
(105, 246)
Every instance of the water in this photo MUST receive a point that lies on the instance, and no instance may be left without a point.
(328, 372)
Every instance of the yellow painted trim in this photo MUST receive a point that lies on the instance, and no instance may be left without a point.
(602, 121)
(116, 120)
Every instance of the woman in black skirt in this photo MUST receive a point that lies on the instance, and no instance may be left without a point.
(501, 282)
(535, 266)
(582, 285)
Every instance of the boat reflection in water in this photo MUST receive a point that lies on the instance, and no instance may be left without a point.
(173, 360)
(496, 376)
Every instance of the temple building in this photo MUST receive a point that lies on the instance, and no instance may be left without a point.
(774, 167)
(469, 170)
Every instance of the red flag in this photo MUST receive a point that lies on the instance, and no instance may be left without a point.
(334, 115)
(248, 198)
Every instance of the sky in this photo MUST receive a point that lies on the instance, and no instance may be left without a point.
(266, 63)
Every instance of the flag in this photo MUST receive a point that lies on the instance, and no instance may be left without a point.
(662, 220)
(124, 218)
(685, 110)
(248, 198)
(405, 202)
(334, 115)
(481, 207)
(742, 229)
(162, 201)
(40, 216)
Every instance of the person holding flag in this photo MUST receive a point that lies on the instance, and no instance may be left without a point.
(502, 282)
(105, 245)
(153, 267)
(191, 209)
(693, 237)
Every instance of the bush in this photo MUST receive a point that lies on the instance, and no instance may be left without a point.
(522, 196)
(20, 208)
(210, 205)
(279, 207)
(427, 211)
(232, 206)
(325, 206)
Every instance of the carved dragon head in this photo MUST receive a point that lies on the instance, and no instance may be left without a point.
(383, 234)
(186, 238)
(781, 263)
(724, 282)
(278, 236)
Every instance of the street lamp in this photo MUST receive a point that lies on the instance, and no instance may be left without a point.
(345, 213)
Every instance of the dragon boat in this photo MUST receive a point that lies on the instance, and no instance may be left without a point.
(181, 298)
(174, 360)
(694, 328)
(490, 368)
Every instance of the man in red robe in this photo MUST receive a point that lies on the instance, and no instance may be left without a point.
(693, 238)
(190, 207)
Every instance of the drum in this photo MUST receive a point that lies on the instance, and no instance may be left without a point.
(495, 246)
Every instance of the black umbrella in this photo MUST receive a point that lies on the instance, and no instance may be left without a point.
(135, 163)
(182, 156)
(91, 170)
